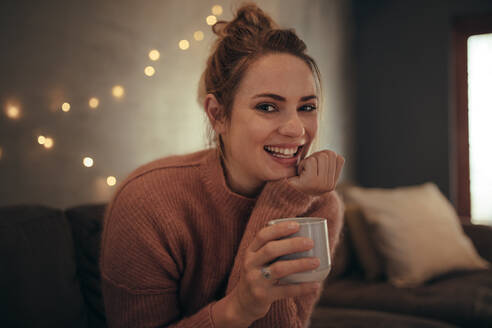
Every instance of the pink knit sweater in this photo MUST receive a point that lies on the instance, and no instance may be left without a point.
(174, 239)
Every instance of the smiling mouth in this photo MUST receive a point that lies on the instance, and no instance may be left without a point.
(280, 152)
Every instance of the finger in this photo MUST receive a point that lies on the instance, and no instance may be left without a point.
(274, 249)
(273, 232)
(332, 166)
(281, 269)
(293, 290)
(328, 171)
(310, 168)
(300, 167)
(340, 162)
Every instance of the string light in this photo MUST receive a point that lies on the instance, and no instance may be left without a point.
(154, 54)
(12, 111)
(111, 181)
(198, 35)
(93, 102)
(118, 91)
(88, 162)
(184, 44)
(48, 143)
(149, 71)
(211, 20)
(217, 10)
(41, 140)
(65, 107)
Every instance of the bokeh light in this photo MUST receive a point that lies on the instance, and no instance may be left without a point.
(154, 54)
(41, 140)
(48, 143)
(88, 162)
(217, 10)
(149, 71)
(211, 20)
(65, 107)
(184, 44)
(93, 102)
(111, 180)
(198, 35)
(12, 111)
(118, 91)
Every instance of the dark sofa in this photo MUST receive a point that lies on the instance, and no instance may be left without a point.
(49, 278)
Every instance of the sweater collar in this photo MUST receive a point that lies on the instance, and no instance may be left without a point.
(214, 178)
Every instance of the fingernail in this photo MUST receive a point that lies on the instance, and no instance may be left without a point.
(293, 225)
(308, 242)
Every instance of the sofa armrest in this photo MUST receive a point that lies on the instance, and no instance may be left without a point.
(481, 236)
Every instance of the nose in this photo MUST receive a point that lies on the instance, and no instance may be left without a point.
(292, 126)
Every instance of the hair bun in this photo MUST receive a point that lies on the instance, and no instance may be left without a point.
(249, 19)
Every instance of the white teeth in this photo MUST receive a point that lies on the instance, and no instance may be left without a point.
(282, 152)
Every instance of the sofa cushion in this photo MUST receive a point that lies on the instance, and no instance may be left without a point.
(417, 232)
(38, 281)
(361, 238)
(86, 223)
(326, 317)
(461, 298)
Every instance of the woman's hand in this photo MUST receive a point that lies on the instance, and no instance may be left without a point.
(318, 173)
(252, 297)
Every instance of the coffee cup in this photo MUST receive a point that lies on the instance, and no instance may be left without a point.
(317, 230)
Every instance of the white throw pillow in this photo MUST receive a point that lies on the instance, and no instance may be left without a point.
(417, 232)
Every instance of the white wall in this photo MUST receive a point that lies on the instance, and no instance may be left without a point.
(61, 51)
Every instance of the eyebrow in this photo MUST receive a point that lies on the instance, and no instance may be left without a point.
(280, 98)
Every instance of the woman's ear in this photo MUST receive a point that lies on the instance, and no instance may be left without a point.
(216, 114)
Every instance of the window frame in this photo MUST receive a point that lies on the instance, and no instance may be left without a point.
(462, 28)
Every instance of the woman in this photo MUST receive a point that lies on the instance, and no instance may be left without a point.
(185, 242)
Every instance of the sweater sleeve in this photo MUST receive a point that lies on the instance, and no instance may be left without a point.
(279, 199)
(140, 269)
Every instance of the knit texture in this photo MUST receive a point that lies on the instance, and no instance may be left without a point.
(174, 240)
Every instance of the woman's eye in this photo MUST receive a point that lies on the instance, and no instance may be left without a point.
(266, 107)
(308, 108)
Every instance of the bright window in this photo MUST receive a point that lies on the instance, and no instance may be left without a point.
(480, 126)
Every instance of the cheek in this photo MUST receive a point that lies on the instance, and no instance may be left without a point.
(311, 125)
(257, 132)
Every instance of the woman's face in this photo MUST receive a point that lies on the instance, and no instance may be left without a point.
(273, 122)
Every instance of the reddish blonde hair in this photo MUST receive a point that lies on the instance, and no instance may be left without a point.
(250, 35)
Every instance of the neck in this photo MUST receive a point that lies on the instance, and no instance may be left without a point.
(240, 184)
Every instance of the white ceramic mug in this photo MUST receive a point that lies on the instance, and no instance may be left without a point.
(317, 230)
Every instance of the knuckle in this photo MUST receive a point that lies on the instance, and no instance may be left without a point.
(248, 261)
(260, 237)
(276, 270)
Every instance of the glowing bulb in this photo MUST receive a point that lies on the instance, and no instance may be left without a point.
(154, 55)
(184, 44)
(217, 10)
(118, 91)
(93, 102)
(211, 20)
(149, 71)
(13, 112)
(88, 162)
(198, 35)
(41, 140)
(48, 143)
(111, 180)
(65, 107)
